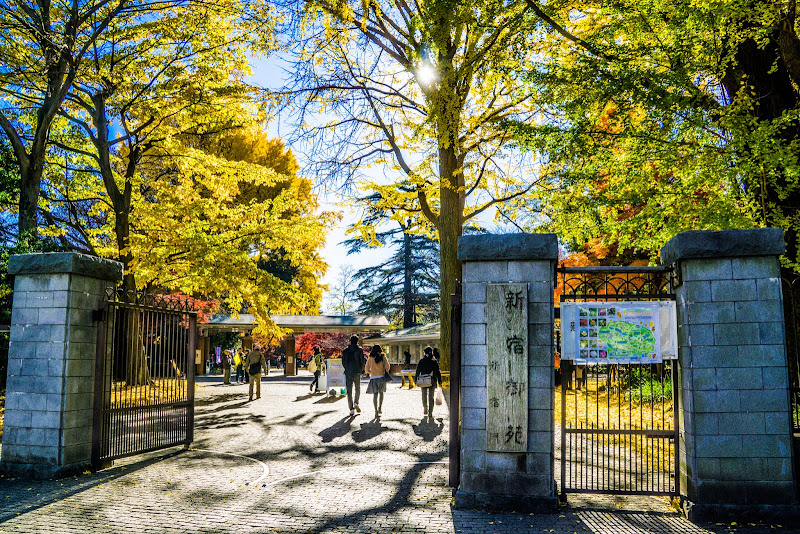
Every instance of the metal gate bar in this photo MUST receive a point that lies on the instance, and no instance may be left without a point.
(144, 378)
(455, 388)
(790, 281)
(624, 441)
(627, 445)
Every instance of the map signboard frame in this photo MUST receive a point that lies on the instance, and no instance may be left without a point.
(618, 332)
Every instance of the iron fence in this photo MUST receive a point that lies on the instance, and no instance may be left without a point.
(791, 308)
(144, 379)
(618, 421)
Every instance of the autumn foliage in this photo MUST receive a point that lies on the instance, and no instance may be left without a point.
(331, 345)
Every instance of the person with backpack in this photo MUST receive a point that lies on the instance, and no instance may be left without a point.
(377, 367)
(255, 363)
(353, 363)
(427, 377)
(317, 360)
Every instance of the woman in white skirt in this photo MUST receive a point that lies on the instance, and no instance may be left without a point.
(377, 367)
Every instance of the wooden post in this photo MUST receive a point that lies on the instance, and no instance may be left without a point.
(291, 368)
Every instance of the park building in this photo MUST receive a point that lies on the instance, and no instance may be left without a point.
(413, 339)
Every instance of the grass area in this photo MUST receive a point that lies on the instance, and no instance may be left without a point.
(596, 406)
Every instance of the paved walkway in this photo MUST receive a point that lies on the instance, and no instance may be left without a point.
(292, 462)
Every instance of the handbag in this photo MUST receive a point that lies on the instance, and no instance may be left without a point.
(425, 381)
(254, 368)
(387, 377)
(312, 366)
(439, 398)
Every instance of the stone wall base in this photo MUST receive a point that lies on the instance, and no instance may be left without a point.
(42, 471)
(782, 514)
(496, 502)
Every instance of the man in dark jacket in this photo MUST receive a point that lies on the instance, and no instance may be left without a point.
(353, 363)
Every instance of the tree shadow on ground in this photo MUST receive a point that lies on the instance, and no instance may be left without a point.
(50, 491)
(337, 430)
(329, 399)
(427, 429)
(400, 498)
(368, 431)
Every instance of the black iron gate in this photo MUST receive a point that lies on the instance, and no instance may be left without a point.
(791, 307)
(618, 421)
(144, 378)
(790, 282)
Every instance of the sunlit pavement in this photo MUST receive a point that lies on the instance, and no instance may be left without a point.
(295, 462)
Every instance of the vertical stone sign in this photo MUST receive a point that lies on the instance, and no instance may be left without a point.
(507, 369)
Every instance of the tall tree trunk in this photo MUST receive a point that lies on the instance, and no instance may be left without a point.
(30, 182)
(409, 318)
(450, 229)
(131, 349)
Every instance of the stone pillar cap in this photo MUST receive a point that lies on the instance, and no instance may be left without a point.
(723, 244)
(504, 247)
(65, 263)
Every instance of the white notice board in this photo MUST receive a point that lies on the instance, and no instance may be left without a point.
(334, 374)
(619, 332)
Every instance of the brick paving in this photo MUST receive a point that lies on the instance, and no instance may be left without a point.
(293, 462)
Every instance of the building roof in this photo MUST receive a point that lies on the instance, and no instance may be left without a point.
(302, 323)
(423, 332)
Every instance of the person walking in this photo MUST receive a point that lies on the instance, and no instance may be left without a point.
(353, 363)
(317, 359)
(428, 369)
(245, 366)
(377, 367)
(407, 359)
(226, 368)
(255, 363)
(239, 361)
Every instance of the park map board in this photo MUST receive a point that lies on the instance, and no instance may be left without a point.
(507, 369)
(616, 332)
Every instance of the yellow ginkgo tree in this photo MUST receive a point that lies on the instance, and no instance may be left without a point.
(420, 91)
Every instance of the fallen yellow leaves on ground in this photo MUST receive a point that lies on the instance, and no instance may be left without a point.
(595, 406)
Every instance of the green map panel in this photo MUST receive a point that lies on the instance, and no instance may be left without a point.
(626, 340)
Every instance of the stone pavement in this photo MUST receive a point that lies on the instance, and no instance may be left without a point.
(293, 462)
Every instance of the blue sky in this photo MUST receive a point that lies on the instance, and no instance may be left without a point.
(268, 73)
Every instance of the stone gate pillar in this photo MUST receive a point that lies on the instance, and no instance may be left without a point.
(500, 480)
(735, 439)
(51, 357)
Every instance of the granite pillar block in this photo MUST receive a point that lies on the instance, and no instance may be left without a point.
(736, 447)
(48, 421)
(498, 480)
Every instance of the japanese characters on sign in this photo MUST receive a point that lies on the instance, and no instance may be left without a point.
(507, 369)
(618, 332)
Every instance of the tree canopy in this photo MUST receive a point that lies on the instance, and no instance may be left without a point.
(421, 89)
(153, 151)
(659, 117)
(404, 287)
